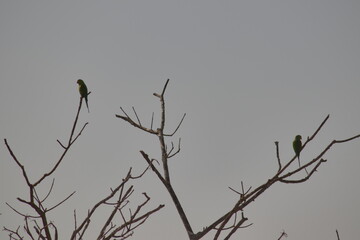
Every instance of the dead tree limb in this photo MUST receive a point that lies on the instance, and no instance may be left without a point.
(110, 230)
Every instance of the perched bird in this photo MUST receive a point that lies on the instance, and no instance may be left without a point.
(297, 145)
(83, 92)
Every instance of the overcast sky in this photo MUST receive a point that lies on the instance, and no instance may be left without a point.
(246, 73)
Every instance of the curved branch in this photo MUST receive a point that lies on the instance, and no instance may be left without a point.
(48, 210)
(178, 126)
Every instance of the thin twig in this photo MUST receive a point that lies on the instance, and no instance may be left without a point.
(129, 120)
(21, 214)
(51, 188)
(136, 116)
(152, 121)
(337, 234)
(236, 227)
(278, 155)
(177, 151)
(178, 126)
(18, 163)
(48, 210)
(283, 234)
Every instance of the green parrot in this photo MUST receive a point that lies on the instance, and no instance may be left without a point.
(83, 92)
(297, 145)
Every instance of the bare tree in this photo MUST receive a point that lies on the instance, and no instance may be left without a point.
(226, 225)
(38, 225)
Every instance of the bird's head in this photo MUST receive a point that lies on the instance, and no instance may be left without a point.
(80, 82)
(298, 137)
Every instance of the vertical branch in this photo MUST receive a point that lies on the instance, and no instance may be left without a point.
(164, 155)
(75, 122)
(160, 133)
(278, 155)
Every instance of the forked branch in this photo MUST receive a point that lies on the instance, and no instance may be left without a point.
(110, 229)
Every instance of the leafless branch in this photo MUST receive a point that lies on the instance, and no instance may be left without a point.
(172, 148)
(51, 188)
(136, 116)
(34, 201)
(277, 154)
(18, 163)
(178, 126)
(12, 233)
(165, 177)
(152, 121)
(21, 214)
(237, 226)
(337, 235)
(48, 210)
(70, 142)
(132, 122)
(27, 229)
(283, 234)
(134, 220)
(109, 230)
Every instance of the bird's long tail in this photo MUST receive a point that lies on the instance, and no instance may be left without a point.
(87, 105)
(300, 165)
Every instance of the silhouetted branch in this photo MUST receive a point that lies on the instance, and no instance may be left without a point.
(110, 230)
(165, 177)
(237, 226)
(178, 126)
(140, 219)
(152, 121)
(34, 202)
(70, 142)
(283, 234)
(48, 210)
(277, 154)
(172, 148)
(21, 214)
(136, 116)
(18, 163)
(146, 157)
(14, 234)
(51, 188)
(132, 122)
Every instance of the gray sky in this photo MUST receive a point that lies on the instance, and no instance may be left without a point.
(247, 73)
